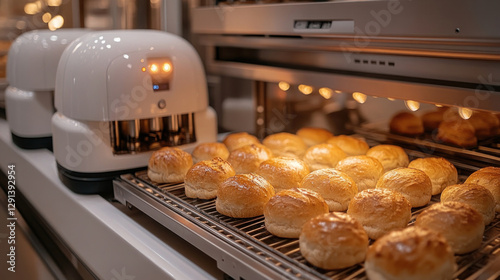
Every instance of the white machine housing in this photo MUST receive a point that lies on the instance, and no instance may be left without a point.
(119, 96)
(31, 73)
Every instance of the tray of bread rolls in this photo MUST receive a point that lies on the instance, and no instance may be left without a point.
(310, 205)
(442, 131)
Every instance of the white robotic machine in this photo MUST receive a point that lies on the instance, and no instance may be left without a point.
(119, 96)
(31, 73)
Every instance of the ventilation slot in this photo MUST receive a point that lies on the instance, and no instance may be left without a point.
(375, 62)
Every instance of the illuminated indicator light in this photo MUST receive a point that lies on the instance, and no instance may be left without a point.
(326, 92)
(167, 67)
(46, 17)
(465, 113)
(54, 3)
(391, 99)
(305, 89)
(359, 97)
(284, 86)
(56, 22)
(31, 8)
(143, 69)
(412, 105)
(154, 68)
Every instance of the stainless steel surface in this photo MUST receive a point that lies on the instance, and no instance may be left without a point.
(249, 237)
(379, 48)
(142, 135)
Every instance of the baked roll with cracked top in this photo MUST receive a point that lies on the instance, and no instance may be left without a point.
(285, 144)
(208, 151)
(336, 187)
(283, 172)
(364, 170)
(243, 196)
(313, 135)
(412, 183)
(413, 253)
(488, 177)
(351, 145)
(323, 156)
(204, 177)
(406, 123)
(333, 241)
(477, 196)
(169, 165)
(459, 223)
(390, 156)
(441, 172)
(380, 211)
(247, 159)
(287, 211)
(237, 140)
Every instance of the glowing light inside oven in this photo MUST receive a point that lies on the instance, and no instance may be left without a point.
(412, 105)
(326, 92)
(359, 97)
(284, 86)
(465, 113)
(305, 89)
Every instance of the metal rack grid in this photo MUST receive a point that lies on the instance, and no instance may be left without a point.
(263, 255)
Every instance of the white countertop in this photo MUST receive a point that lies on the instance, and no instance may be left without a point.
(107, 237)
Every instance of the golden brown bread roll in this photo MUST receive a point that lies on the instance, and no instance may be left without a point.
(336, 187)
(457, 132)
(283, 172)
(169, 165)
(203, 178)
(380, 211)
(285, 144)
(414, 184)
(406, 123)
(364, 170)
(413, 253)
(485, 124)
(237, 140)
(441, 172)
(208, 151)
(247, 159)
(432, 119)
(351, 145)
(488, 177)
(287, 211)
(243, 196)
(390, 156)
(460, 224)
(333, 241)
(313, 135)
(477, 196)
(323, 156)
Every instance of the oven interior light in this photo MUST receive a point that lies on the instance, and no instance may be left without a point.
(325, 92)
(465, 113)
(284, 86)
(338, 91)
(412, 105)
(305, 89)
(359, 97)
(390, 99)
(154, 68)
(438, 105)
(167, 67)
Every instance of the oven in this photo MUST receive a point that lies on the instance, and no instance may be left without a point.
(347, 66)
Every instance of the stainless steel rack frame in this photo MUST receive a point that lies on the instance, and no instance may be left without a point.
(244, 249)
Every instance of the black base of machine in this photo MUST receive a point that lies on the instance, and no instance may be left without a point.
(32, 143)
(91, 183)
